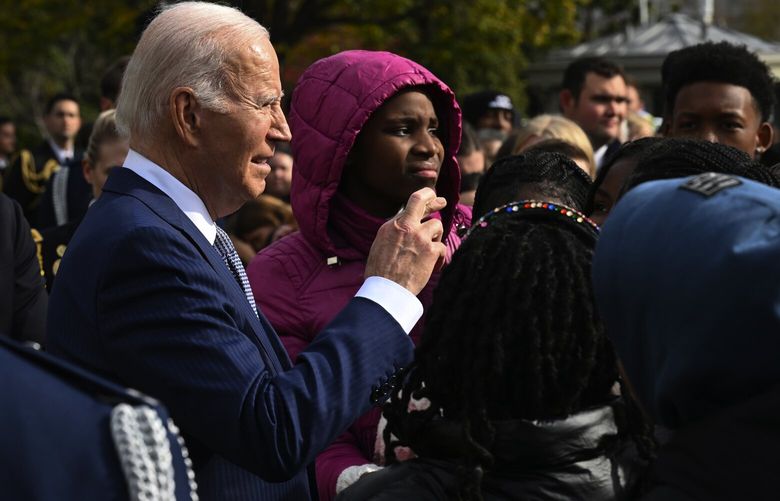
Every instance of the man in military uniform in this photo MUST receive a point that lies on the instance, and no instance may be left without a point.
(26, 178)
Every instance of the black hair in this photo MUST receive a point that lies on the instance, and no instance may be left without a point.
(572, 151)
(770, 157)
(534, 348)
(111, 82)
(469, 143)
(56, 98)
(470, 181)
(536, 175)
(630, 150)
(718, 62)
(682, 157)
(577, 71)
(5, 120)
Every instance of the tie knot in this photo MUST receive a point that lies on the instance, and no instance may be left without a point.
(223, 243)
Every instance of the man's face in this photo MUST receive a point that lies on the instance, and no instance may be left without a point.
(497, 119)
(599, 109)
(720, 113)
(7, 138)
(634, 102)
(64, 120)
(235, 147)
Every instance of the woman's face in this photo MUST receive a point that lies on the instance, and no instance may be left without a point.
(608, 193)
(398, 152)
(110, 154)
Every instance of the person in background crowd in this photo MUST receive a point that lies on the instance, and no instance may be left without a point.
(692, 309)
(151, 292)
(638, 126)
(493, 116)
(471, 158)
(279, 181)
(105, 151)
(68, 193)
(721, 93)
(27, 177)
(573, 152)
(543, 127)
(593, 95)
(369, 128)
(468, 187)
(489, 109)
(23, 299)
(7, 145)
(534, 175)
(512, 389)
(608, 185)
(259, 223)
(634, 101)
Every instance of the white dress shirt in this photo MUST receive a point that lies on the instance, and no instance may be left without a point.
(62, 155)
(399, 302)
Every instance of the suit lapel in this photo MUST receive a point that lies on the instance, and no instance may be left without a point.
(127, 182)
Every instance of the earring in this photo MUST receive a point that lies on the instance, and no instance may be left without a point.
(760, 149)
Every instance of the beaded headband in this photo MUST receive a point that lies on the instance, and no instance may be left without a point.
(538, 208)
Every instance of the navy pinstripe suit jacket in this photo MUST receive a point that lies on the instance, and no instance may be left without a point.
(143, 298)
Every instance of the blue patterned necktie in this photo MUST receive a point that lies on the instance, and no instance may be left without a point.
(224, 246)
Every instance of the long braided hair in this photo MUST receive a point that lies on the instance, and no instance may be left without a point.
(513, 333)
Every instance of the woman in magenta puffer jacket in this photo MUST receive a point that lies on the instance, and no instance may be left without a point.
(369, 129)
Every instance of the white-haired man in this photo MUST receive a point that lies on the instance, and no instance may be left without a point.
(152, 294)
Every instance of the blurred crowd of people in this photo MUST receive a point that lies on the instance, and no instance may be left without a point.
(554, 359)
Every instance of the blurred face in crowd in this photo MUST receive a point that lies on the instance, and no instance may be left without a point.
(497, 119)
(64, 121)
(240, 141)
(720, 113)
(279, 180)
(111, 154)
(398, 152)
(634, 100)
(599, 109)
(472, 163)
(607, 194)
(7, 139)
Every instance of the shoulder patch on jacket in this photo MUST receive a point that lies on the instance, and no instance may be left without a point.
(710, 183)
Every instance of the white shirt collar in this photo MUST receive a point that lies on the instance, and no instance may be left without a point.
(186, 199)
(61, 154)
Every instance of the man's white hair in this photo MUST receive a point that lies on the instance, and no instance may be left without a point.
(187, 45)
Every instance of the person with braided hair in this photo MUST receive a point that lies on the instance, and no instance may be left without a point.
(519, 393)
(613, 173)
(681, 157)
(535, 174)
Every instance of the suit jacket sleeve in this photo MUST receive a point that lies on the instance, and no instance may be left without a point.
(168, 327)
(28, 300)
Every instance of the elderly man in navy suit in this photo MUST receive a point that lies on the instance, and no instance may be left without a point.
(152, 294)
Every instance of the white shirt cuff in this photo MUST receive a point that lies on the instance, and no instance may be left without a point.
(401, 304)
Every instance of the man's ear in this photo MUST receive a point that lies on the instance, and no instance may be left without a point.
(566, 101)
(764, 137)
(186, 115)
(86, 170)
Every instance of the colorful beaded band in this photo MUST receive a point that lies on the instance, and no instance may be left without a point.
(538, 207)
